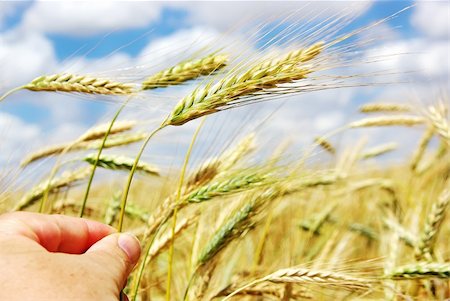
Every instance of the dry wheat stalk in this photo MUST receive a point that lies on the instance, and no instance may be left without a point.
(228, 92)
(100, 130)
(79, 83)
(65, 180)
(379, 150)
(431, 228)
(185, 71)
(115, 162)
(384, 108)
(421, 270)
(326, 145)
(112, 141)
(397, 120)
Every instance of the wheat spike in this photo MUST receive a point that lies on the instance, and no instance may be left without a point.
(164, 241)
(112, 141)
(308, 276)
(100, 130)
(115, 162)
(421, 270)
(215, 166)
(257, 80)
(401, 232)
(325, 144)
(227, 186)
(398, 120)
(384, 108)
(186, 71)
(432, 225)
(302, 275)
(379, 150)
(439, 122)
(79, 83)
(66, 179)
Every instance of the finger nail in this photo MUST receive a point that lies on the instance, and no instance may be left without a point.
(130, 245)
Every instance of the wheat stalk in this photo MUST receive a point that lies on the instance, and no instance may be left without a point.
(432, 225)
(185, 71)
(384, 108)
(66, 179)
(397, 120)
(257, 80)
(420, 270)
(420, 151)
(115, 162)
(79, 83)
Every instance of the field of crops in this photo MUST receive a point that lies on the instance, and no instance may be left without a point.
(225, 213)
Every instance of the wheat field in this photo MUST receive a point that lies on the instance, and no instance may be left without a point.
(239, 216)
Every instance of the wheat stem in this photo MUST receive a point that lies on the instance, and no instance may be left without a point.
(177, 200)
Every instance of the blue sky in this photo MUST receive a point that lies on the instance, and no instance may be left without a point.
(44, 37)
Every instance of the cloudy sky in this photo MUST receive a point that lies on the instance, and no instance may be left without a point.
(126, 40)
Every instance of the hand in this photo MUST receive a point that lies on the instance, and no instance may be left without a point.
(56, 257)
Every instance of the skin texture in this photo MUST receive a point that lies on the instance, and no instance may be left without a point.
(56, 257)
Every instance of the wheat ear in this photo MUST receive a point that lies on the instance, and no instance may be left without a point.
(163, 242)
(420, 270)
(398, 120)
(185, 71)
(113, 141)
(219, 165)
(439, 122)
(66, 179)
(114, 162)
(257, 80)
(384, 108)
(379, 150)
(99, 131)
(307, 276)
(432, 225)
(325, 144)
(79, 83)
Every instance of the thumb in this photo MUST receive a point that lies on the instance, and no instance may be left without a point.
(118, 253)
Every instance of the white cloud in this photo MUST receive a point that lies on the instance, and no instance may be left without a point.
(84, 18)
(16, 134)
(23, 56)
(432, 18)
